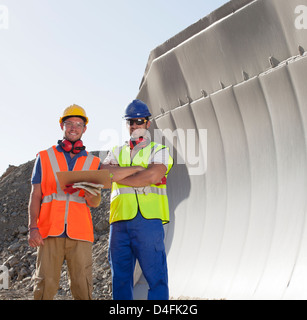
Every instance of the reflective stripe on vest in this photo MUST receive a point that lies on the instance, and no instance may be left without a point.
(151, 200)
(144, 190)
(59, 209)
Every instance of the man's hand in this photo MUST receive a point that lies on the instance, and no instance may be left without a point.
(92, 200)
(35, 239)
(120, 173)
(152, 175)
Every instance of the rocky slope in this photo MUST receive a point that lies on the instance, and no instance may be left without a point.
(20, 259)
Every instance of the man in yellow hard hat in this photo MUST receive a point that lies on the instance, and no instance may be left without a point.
(60, 223)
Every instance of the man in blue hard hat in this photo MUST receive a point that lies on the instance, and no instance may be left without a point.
(139, 208)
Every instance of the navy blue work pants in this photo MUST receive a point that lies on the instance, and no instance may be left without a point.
(140, 239)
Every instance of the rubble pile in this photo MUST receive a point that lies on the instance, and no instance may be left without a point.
(20, 258)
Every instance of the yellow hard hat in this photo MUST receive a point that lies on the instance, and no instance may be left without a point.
(74, 111)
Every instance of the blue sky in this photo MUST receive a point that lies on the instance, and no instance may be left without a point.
(93, 53)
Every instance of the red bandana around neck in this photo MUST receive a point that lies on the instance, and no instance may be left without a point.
(140, 141)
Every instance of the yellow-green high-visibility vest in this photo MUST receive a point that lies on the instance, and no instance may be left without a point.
(151, 200)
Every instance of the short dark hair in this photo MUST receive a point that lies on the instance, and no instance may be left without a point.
(65, 118)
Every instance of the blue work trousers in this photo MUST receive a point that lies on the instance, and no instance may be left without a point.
(140, 239)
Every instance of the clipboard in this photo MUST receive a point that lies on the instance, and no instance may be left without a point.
(93, 176)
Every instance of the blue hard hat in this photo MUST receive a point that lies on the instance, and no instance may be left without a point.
(137, 109)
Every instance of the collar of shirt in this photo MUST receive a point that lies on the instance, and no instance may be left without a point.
(71, 161)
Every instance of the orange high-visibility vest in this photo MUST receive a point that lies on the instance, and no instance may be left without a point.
(58, 208)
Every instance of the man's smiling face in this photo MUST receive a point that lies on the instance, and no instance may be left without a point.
(73, 128)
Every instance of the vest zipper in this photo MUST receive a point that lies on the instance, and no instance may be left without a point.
(136, 195)
(66, 210)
